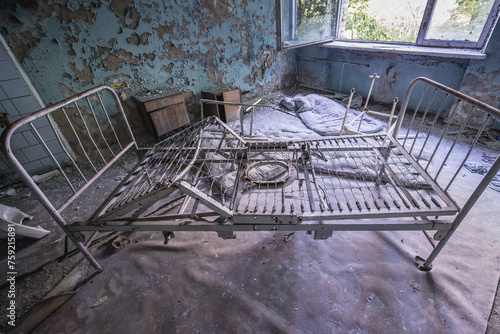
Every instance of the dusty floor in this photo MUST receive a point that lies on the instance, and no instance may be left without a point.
(357, 282)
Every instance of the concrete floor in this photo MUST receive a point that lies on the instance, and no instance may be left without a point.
(358, 282)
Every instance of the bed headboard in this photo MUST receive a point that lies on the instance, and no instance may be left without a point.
(81, 137)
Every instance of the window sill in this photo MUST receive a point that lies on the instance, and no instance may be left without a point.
(406, 49)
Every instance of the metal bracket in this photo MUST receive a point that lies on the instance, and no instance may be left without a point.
(79, 236)
(322, 234)
(420, 262)
(226, 234)
(168, 235)
(440, 234)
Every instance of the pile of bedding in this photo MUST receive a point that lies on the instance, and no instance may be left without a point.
(325, 116)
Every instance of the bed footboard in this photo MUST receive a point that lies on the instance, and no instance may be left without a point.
(442, 133)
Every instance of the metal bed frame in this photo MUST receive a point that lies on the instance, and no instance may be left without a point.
(209, 178)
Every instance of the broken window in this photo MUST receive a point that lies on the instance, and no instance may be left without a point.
(450, 23)
(308, 21)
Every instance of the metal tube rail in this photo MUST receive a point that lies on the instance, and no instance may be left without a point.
(479, 104)
(26, 178)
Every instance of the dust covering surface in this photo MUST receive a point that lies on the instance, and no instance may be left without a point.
(273, 282)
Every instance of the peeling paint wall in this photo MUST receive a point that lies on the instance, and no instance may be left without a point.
(67, 46)
(349, 68)
(482, 77)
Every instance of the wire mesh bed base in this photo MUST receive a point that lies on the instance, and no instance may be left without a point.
(208, 178)
(277, 183)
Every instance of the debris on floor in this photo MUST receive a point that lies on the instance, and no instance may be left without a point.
(482, 168)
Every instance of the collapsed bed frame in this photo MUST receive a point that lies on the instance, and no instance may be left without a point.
(218, 181)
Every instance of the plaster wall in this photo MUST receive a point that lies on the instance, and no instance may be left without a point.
(68, 46)
(351, 69)
(482, 77)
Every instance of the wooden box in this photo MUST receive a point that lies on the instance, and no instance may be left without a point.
(225, 113)
(162, 113)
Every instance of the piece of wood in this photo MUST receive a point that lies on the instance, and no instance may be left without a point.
(232, 112)
(164, 113)
(169, 118)
(224, 112)
(163, 102)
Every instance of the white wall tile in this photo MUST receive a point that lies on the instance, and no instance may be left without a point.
(7, 71)
(14, 88)
(3, 96)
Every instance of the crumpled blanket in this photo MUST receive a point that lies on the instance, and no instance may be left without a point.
(325, 116)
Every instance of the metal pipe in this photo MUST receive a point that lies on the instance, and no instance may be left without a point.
(476, 103)
(347, 111)
(374, 77)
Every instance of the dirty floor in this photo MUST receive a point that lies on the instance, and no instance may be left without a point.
(270, 282)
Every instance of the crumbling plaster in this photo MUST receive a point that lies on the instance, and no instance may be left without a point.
(351, 69)
(482, 77)
(68, 46)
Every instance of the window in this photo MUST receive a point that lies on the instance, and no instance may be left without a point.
(438, 23)
(308, 21)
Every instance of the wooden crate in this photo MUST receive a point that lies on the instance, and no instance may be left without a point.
(225, 113)
(162, 113)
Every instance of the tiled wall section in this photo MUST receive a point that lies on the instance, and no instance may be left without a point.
(16, 101)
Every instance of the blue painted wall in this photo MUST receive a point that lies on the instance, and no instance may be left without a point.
(482, 77)
(348, 69)
(67, 46)
(352, 69)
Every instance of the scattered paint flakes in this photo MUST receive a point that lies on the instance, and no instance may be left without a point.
(100, 301)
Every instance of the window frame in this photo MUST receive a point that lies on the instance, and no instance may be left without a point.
(421, 41)
(488, 27)
(280, 28)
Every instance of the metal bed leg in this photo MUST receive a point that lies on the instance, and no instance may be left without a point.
(81, 247)
(426, 264)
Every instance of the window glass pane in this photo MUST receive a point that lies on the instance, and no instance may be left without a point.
(306, 21)
(382, 20)
(459, 20)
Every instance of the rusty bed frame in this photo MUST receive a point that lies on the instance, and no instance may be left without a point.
(209, 178)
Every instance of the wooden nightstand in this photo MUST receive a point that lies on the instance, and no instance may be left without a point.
(225, 113)
(162, 113)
